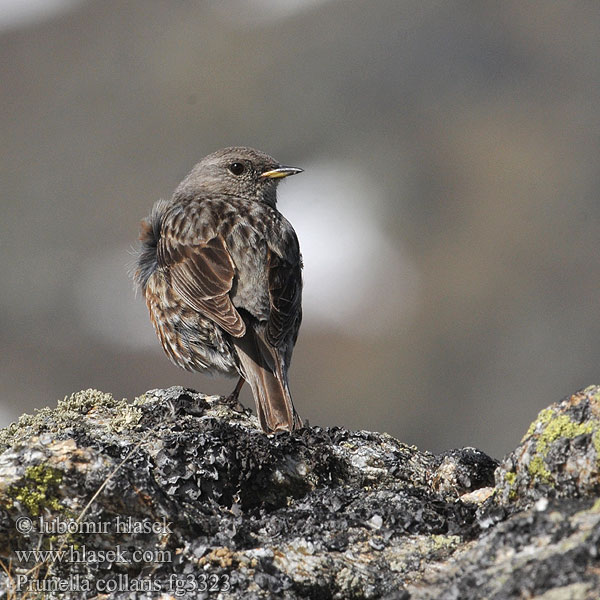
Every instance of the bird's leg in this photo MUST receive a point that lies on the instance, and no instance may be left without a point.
(233, 398)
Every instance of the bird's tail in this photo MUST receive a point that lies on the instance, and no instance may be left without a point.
(262, 368)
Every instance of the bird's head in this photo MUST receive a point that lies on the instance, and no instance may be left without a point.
(237, 171)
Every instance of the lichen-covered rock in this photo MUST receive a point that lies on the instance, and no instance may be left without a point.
(548, 552)
(559, 455)
(178, 495)
(324, 513)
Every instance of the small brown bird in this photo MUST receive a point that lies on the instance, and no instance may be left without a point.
(221, 271)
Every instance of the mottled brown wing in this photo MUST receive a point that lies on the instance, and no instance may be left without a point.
(285, 292)
(202, 274)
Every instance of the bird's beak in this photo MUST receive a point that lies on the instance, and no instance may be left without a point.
(281, 172)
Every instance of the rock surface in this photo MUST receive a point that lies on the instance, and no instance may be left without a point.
(178, 495)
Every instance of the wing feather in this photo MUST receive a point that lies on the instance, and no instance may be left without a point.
(285, 293)
(202, 274)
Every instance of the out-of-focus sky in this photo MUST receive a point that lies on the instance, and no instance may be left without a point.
(448, 213)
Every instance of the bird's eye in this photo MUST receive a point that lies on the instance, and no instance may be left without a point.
(237, 168)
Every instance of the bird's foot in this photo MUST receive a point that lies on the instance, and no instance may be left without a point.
(234, 403)
(233, 400)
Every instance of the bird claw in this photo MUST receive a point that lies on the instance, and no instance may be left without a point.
(233, 402)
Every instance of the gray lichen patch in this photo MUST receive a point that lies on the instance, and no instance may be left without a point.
(97, 407)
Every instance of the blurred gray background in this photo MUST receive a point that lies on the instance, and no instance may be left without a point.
(448, 215)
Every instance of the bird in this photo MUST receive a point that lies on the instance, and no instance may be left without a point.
(220, 269)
